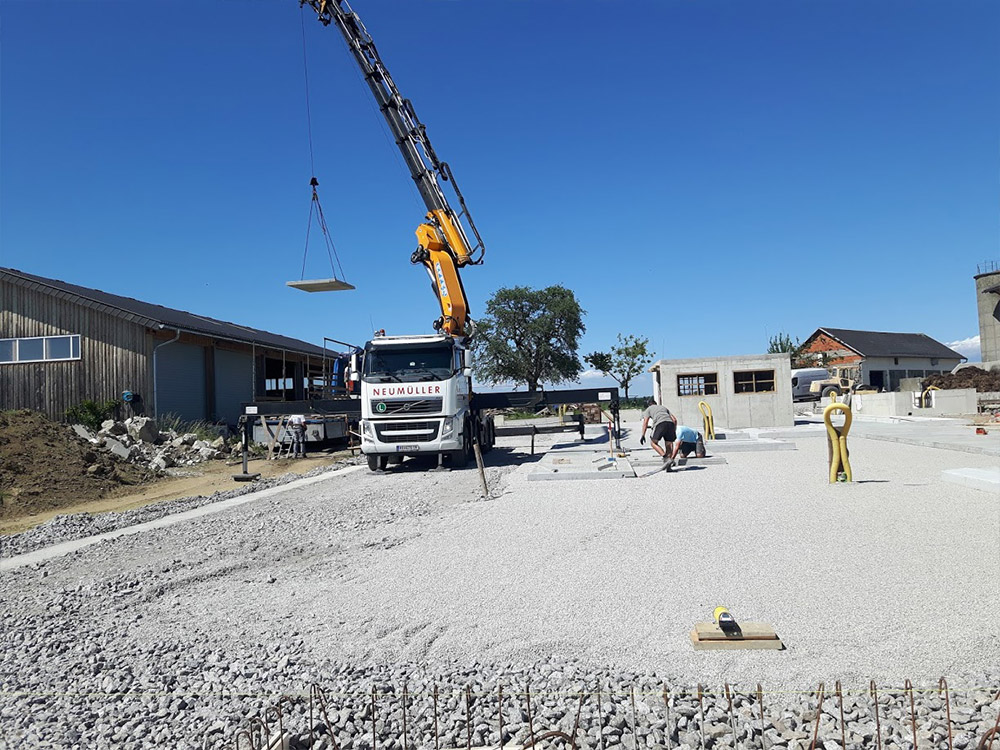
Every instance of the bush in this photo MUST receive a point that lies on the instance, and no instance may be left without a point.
(91, 413)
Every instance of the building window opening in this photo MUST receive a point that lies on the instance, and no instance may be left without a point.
(753, 381)
(698, 384)
(40, 349)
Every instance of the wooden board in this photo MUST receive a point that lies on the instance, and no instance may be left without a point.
(753, 635)
(320, 285)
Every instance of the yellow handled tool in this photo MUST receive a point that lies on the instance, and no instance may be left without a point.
(839, 455)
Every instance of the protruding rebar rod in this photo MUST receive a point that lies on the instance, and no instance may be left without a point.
(437, 737)
(819, 715)
(666, 705)
(531, 726)
(468, 717)
(701, 716)
(943, 688)
(760, 704)
(878, 726)
(908, 688)
(840, 702)
(732, 719)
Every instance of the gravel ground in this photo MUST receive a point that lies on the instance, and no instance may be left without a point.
(65, 528)
(163, 638)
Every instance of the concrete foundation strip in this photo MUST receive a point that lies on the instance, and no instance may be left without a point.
(65, 548)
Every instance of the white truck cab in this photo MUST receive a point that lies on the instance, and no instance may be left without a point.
(416, 394)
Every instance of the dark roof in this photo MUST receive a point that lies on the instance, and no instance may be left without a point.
(885, 344)
(157, 316)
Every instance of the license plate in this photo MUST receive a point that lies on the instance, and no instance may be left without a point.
(407, 448)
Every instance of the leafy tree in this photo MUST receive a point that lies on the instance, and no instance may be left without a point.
(626, 359)
(781, 343)
(530, 336)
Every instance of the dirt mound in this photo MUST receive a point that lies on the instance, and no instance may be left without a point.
(45, 465)
(983, 381)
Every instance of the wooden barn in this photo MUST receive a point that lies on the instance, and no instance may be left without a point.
(61, 344)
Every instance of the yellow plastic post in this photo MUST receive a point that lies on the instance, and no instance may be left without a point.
(708, 421)
(923, 396)
(839, 456)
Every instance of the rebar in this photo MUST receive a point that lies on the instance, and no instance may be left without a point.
(819, 715)
(840, 703)
(760, 703)
(732, 720)
(701, 716)
(943, 688)
(908, 688)
(878, 726)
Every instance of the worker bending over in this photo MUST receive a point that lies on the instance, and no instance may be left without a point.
(687, 440)
(664, 427)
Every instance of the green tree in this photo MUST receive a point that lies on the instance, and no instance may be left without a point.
(626, 359)
(530, 336)
(781, 343)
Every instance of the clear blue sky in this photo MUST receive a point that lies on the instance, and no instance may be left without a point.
(691, 169)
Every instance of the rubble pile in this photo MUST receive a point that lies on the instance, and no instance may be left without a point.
(139, 441)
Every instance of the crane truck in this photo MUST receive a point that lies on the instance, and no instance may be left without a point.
(416, 390)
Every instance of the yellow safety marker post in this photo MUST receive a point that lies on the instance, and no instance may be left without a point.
(836, 443)
(923, 396)
(709, 422)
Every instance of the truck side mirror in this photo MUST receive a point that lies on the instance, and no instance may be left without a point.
(466, 372)
(354, 362)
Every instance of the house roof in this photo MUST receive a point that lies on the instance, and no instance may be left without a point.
(886, 344)
(156, 316)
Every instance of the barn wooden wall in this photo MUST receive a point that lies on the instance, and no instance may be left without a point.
(113, 354)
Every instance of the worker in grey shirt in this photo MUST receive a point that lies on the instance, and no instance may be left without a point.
(664, 428)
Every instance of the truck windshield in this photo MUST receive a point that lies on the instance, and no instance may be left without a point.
(409, 365)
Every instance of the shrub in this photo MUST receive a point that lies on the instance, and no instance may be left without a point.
(91, 413)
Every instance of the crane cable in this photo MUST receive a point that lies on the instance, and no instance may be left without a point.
(315, 207)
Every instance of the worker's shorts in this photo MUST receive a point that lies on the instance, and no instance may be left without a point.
(697, 448)
(666, 431)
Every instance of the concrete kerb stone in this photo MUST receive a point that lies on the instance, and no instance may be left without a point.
(65, 548)
(979, 479)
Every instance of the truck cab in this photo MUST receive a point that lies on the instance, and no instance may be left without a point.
(416, 394)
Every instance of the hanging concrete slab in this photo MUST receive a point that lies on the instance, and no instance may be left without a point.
(320, 285)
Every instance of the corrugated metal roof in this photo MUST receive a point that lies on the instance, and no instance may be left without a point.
(154, 316)
(887, 344)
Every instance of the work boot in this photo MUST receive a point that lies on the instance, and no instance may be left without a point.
(682, 460)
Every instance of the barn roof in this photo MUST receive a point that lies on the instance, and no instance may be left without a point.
(887, 344)
(156, 316)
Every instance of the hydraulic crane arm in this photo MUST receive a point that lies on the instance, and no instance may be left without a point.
(443, 242)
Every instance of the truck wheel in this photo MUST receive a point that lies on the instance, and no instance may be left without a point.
(831, 389)
(376, 462)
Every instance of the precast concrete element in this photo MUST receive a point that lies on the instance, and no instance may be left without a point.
(747, 391)
(980, 479)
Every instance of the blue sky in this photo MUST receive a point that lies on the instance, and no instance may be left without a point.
(693, 170)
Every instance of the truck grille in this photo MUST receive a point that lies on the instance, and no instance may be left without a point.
(387, 408)
(406, 432)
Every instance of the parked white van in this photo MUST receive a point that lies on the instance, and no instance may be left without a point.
(801, 380)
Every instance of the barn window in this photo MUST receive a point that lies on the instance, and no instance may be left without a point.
(753, 381)
(39, 349)
(698, 384)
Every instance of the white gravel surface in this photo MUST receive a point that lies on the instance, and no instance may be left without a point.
(892, 577)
